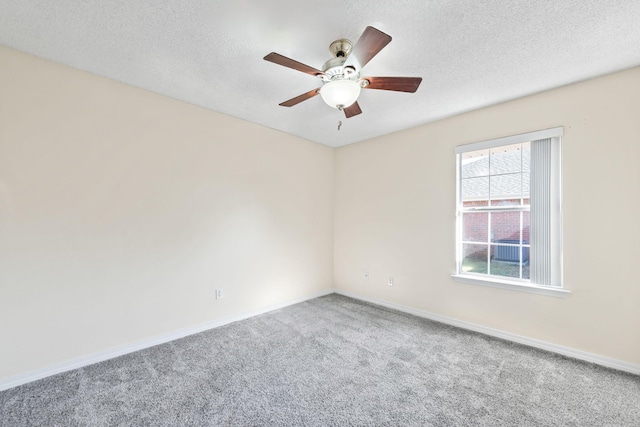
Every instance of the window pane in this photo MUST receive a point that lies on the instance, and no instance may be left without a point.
(525, 270)
(475, 188)
(503, 269)
(474, 258)
(526, 227)
(506, 261)
(526, 156)
(475, 163)
(475, 227)
(475, 203)
(506, 159)
(505, 227)
(526, 186)
(506, 189)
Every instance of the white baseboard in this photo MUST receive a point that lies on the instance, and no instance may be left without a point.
(555, 348)
(89, 359)
(13, 381)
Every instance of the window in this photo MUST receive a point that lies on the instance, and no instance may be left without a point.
(508, 212)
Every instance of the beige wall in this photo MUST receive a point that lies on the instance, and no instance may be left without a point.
(121, 211)
(395, 208)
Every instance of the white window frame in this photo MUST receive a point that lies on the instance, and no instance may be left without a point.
(554, 287)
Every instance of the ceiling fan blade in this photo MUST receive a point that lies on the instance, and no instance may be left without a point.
(352, 110)
(399, 84)
(298, 99)
(368, 45)
(276, 58)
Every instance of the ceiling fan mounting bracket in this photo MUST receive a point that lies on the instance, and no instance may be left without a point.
(341, 48)
(334, 67)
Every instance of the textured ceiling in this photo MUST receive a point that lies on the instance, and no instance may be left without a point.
(470, 53)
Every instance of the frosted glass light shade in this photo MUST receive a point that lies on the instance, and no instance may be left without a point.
(341, 93)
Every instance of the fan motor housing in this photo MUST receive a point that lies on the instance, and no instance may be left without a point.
(334, 65)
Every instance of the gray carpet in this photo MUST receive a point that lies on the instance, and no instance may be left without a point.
(331, 361)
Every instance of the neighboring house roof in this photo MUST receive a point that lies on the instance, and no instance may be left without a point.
(503, 175)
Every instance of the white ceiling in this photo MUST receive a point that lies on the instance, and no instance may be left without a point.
(470, 53)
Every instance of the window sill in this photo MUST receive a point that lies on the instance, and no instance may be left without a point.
(512, 285)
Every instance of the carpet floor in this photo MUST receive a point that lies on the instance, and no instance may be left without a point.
(331, 361)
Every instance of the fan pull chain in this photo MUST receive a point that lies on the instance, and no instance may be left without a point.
(340, 110)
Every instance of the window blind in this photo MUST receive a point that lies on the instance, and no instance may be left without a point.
(545, 251)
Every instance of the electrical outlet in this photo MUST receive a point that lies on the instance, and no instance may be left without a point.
(366, 275)
(390, 281)
(218, 293)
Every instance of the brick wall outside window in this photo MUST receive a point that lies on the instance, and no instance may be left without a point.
(505, 226)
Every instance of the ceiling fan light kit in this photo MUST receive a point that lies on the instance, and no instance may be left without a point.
(340, 75)
(340, 93)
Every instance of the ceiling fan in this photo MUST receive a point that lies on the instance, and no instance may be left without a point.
(340, 75)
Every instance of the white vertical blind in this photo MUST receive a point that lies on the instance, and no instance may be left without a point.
(540, 256)
(545, 253)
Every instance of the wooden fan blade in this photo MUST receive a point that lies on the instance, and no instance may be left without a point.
(399, 84)
(298, 99)
(368, 45)
(276, 58)
(352, 110)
